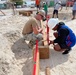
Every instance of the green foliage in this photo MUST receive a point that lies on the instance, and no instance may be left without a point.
(51, 4)
(18, 2)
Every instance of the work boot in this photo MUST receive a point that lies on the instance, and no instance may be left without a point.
(66, 51)
(31, 43)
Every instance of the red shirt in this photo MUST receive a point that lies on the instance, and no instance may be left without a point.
(37, 2)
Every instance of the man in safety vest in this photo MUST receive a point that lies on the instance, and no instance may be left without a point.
(65, 39)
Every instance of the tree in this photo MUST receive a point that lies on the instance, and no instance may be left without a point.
(18, 2)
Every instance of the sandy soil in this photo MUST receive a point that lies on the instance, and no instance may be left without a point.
(16, 57)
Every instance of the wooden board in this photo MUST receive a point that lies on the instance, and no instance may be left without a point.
(44, 52)
(44, 35)
(25, 13)
(47, 71)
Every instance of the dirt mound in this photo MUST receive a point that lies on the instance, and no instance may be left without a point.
(16, 57)
(13, 52)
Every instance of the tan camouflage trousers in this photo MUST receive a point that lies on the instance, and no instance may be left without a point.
(32, 38)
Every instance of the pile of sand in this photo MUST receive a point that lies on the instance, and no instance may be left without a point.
(15, 56)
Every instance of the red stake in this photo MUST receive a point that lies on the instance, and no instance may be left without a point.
(35, 58)
(47, 29)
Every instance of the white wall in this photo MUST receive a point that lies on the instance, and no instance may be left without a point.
(3, 1)
(26, 0)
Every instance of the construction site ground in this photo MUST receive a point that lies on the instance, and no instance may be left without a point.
(16, 58)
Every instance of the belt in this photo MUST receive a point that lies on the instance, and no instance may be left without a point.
(28, 33)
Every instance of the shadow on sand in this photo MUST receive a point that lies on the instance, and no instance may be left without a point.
(21, 49)
(56, 58)
(28, 67)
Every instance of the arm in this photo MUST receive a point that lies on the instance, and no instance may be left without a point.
(62, 35)
(35, 27)
(61, 8)
(37, 30)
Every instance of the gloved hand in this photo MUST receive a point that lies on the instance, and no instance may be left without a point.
(50, 42)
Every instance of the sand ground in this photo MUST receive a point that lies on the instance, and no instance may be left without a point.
(15, 55)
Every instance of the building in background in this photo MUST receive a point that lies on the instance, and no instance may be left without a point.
(2, 1)
(2, 4)
(52, 2)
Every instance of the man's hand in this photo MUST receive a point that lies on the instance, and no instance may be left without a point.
(51, 42)
(40, 30)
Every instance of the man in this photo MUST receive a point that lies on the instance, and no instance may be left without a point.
(45, 5)
(38, 5)
(32, 29)
(56, 8)
(65, 39)
(74, 10)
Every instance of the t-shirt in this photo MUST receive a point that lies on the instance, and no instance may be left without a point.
(57, 6)
(65, 35)
(55, 1)
(28, 28)
(37, 2)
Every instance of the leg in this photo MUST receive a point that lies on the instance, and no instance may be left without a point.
(73, 13)
(62, 47)
(38, 8)
(24, 38)
(65, 47)
(58, 48)
(28, 36)
(67, 51)
(38, 37)
(53, 14)
(31, 38)
(57, 13)
(46, 13)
